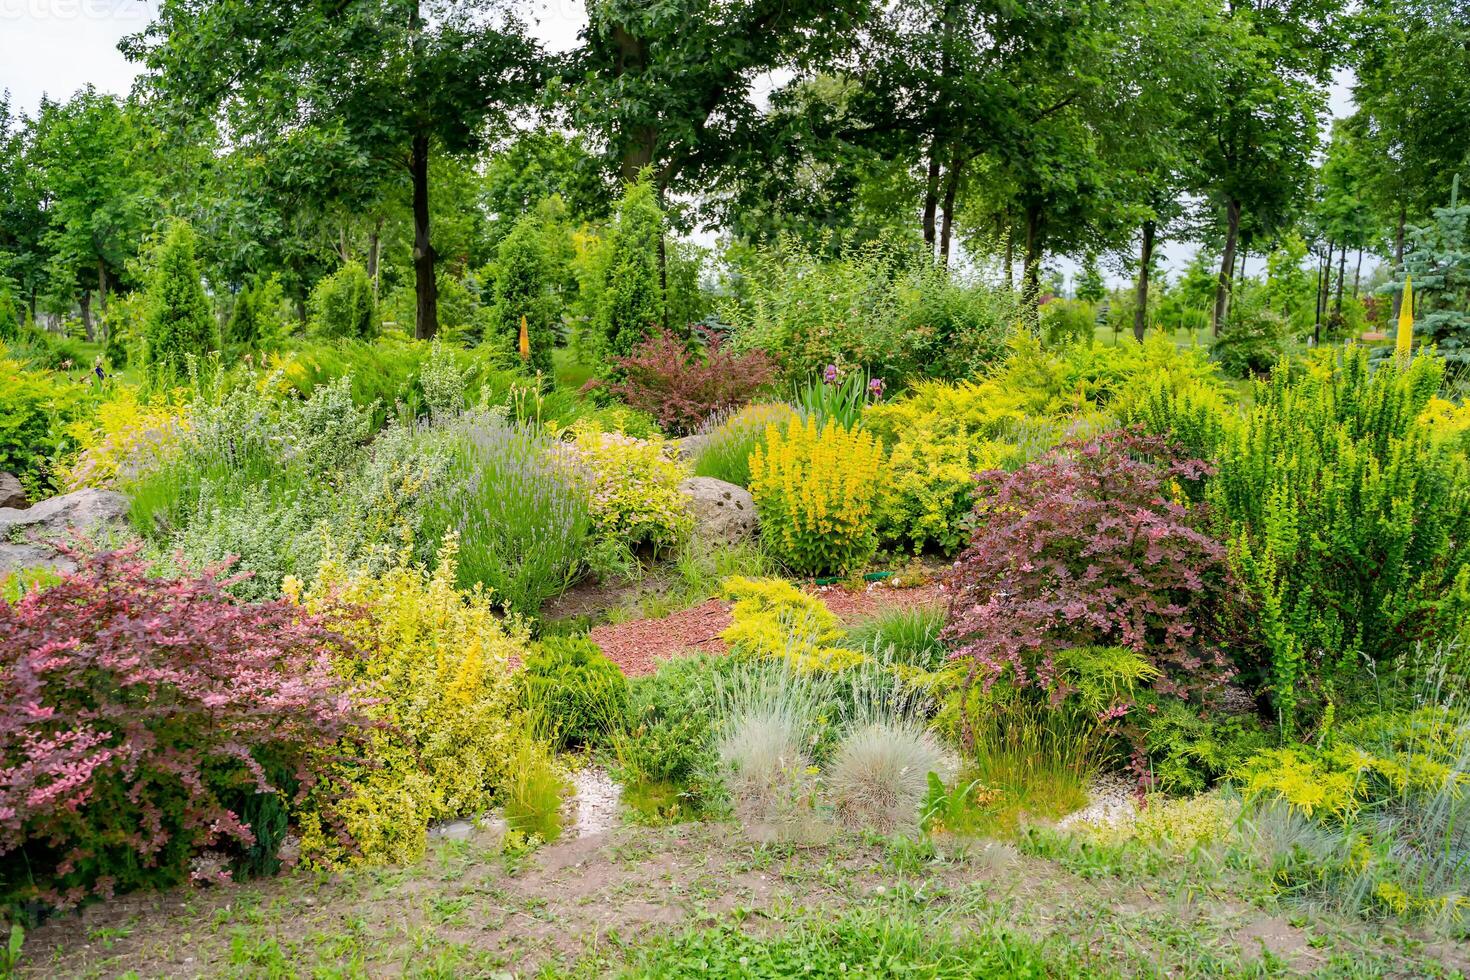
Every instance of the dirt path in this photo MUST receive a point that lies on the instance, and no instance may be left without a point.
(468, 911)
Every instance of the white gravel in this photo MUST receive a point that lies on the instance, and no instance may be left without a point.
(1110, 802)
(596, 798)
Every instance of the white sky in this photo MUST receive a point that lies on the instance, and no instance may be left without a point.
(55, 47)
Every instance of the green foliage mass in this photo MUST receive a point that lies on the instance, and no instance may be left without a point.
(523, 288)
(342, 305)
(178, 322)
(632, 299)
(575, 689)
(1349, 528)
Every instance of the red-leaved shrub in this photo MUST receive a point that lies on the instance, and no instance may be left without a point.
(682, 388)
(1091, 545)
(141, 718)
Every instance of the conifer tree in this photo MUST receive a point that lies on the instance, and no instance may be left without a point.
(633, 298)
(522, 288)
(178, 322)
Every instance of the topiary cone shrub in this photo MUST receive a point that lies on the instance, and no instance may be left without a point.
(1094, 544)
(142, 717)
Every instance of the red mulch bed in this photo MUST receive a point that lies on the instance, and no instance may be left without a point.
(640, 645)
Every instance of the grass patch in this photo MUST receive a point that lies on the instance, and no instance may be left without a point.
(909, 634)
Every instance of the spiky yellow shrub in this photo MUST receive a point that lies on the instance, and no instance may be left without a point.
(124, 437)
(437, 661)
(773, 619)
(817, 492)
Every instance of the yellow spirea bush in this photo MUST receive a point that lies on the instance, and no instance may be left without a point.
(634, 485)
(438, 661)
(930, 486)
(126, 436)
(817, 494)
(774, 619)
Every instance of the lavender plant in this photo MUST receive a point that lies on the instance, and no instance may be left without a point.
(521, 518)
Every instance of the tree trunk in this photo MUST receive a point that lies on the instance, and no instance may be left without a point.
(1341, 275)
(1031, 275)
(931, 196)
(1398, 261)
(1317, 308)
(86, 303)
(426, 317)
(1227, 265)
(1145, 258)
(101, 286)
(1010, 251)
(951, 187)
(1357, 273)
(375, 242)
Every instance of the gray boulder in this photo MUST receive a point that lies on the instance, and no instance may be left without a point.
(722, 511)
(12, 494)
(25, 535)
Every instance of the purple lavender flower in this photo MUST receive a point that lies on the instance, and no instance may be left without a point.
(830, 375)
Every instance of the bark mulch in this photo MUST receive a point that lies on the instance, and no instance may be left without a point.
(638, 646)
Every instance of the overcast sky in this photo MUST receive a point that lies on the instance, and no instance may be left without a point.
(55, 47)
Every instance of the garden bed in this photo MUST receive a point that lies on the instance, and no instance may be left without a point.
(637, 646)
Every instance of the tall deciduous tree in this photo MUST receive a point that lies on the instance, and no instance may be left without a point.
(670, 87)
(398, 80)
(97, 196)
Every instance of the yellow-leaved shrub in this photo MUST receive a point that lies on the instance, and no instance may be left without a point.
(438, 662)
(126, 436)
(773, 619)
(817, 493)
(634, 485)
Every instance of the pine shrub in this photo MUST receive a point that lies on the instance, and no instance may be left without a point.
(341, 305)
(178, 322)
(523, 288)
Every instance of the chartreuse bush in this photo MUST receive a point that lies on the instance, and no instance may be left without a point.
(579, 694)
(37, 412)
(817, 491)
(634, 486)
(437, 663)
(1373, 821)
(127, 435)
(772, 619)
(1348, 524)
(147, 719)
(727, 442)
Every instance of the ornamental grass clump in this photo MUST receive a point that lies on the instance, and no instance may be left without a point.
(147, 719)
(521, 518)
(817, 491)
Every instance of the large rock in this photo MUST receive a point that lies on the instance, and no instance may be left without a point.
(25, 535)
(12, 494)
(722, 511)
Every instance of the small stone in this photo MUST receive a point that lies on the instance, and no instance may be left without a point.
(12, 494)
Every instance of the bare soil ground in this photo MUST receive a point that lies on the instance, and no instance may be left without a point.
(574, 908)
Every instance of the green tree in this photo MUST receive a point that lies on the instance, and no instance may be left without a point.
(23, 219)
(1090, 285)
(632, 297)
(1438, 260)
(1412, 93)
(667, 85)
(342, 305)
(396, 81)
(177, 323)
(523, 288)
(97, 194)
